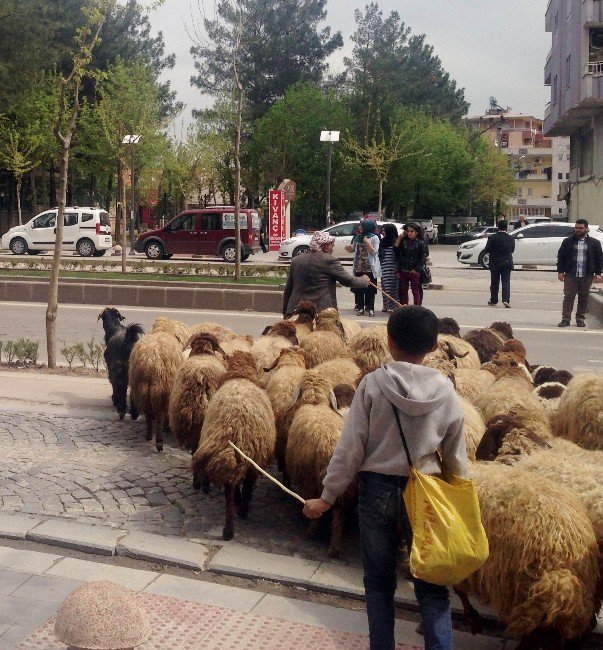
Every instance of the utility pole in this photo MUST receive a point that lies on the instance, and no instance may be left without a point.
(330, 137)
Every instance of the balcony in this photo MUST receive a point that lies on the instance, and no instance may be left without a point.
(540, 151)
(531, 201)
(592, 13)
(595, 69)
(522, 176)
(547, 110)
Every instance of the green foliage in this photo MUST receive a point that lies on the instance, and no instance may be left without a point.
(492, 178)
(95, 353)
(23, 351)
(279, 44)
(9, 351)
(69, 352)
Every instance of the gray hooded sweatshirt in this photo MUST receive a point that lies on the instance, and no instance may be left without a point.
(431, 417)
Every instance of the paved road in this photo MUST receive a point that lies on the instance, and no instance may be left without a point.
(100, 470)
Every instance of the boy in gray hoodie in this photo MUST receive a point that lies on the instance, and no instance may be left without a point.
(371, 447)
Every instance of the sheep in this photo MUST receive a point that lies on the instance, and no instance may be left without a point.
(304, 317)
(313, 436)
(474, 427)
(237, 344)
(514, 396)
(503, 364)
(447, 368)
(239, 412)
(119, 341)
(221, 332)
(503, 329)
(541, 575)
(515, 349)
(542, 374)
(320, 346)
(266, 349)
(154, 364)
(487, 342)
(580, 411)
(196, 382)
(449, 326)
(329, 320)
(470, 382)
(369, 348)
(282, 391)
(458, 351)
(178, 330)
(549, 395)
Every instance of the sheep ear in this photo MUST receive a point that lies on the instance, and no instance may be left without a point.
(333, 401)
(121, 317)
(293, 339)
(99, 316)
(273, 366)
(266, 330)
(296, 397)
(221, 351)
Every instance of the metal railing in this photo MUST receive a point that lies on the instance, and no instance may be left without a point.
(595, 68)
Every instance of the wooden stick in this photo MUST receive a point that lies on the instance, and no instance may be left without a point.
(386, 294)
(268, 476)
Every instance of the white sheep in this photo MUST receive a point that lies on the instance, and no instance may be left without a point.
(580, 411)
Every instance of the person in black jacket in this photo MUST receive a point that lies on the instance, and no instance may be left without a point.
(412, 257)
(500, 246)
(579, 262)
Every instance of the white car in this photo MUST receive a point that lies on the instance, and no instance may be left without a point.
(536, 244)
(343, 233)
(85, 230)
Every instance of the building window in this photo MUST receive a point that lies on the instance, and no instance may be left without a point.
(560, 156)
(567, 176)
(529, 191)
(519, 191)
(568, 71)
(560, 176)
(560, 210)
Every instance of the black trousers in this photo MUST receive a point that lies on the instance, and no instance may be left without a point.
(573, 286)
(365, 298)
(500, 274)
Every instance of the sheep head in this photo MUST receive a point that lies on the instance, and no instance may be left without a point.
(328, 321)
(343, 394)
(110, 317)
(562, 376)
(504, 365)
(241, 365)
(502, 328)
(510, 429)
(306, 308)
(289, 357)
(283, 328)
(550, 390)
(204, 343)
(515, 349)
(449, 326)
(315, 390)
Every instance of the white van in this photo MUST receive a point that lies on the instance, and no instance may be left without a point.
(85, 230)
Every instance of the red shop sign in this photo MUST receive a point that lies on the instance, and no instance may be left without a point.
(276, 218)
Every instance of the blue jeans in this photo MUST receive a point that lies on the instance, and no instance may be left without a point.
(380, 509)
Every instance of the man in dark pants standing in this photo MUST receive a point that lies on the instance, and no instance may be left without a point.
(579, 262)
(500, 246)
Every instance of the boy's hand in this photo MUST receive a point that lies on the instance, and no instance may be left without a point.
(315, 507)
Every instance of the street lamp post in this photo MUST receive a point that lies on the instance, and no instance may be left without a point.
(132, 140)
(330, 137)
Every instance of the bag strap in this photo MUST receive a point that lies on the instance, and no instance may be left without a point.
(402, 435)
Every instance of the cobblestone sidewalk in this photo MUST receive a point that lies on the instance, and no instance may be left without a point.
(104, 472)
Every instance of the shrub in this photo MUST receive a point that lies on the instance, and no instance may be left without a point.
(95, 353)
(69, 352)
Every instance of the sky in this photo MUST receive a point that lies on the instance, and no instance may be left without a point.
(490, 48)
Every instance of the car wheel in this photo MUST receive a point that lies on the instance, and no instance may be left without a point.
(18, 246)
(86, 248)
(229, 253)
(154, 250)
(300, 250)
(484, 260)
(99, 253)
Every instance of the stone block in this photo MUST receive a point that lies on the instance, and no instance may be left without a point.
(163, 550)
(336, 579)
(18, 291)
(39, 291)
(71, 293)
(16, 525)
(240, 560)
(74, 569)
(178, 298)
(235, 300)
(268, 301)
(17, 559)
(151, 297)
(208, 298)
(124, 295)
(100, 540)
(97, 294)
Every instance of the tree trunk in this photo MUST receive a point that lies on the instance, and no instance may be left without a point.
(52, 186)
(19, 200)
(34, 191)
(380, 195)
(53, 289)
(123, 216)
(109, 193)
(118, 203)
(237, 164)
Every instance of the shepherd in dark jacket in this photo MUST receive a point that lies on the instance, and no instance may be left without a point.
(579, 262)
(500, 246)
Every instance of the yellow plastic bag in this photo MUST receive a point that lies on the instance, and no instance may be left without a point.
(449, 542)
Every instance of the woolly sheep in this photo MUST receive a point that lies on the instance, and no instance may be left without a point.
(266, 349)
(304, 317)
(503, 329)
(502, 364)
(221, 332)
(541, 575)
(549, 395)
(322, 346)
(154, 364)
(458, 351)
(369, 348)
(237, 344)
(239, 412)
(470, 382)
(486, 342)
(474, 427)
(178, 330)
(580, 411)
(313, 436)
(510, 395)
(197, 380)
(449, 326)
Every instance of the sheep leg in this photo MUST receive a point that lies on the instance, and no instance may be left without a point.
(237, 495)
(133, 409)
(471, 614)
(159, 428)
(206, 486)
(336, 531)
(541, 640)
(246, 494)
(149, 418)
(228, 532)
(120, 400)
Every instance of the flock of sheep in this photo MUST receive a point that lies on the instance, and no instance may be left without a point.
(534, 438)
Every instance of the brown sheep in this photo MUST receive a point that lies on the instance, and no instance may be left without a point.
(304, 317)
(239, 412)
(322, 346)
(449, 326)
(369, 348)
(196, 382)
(178, 330)
(503, 364)
(503, 329)
(580, 411)
(486, 342)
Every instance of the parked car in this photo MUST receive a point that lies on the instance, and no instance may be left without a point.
(343, 233)
(206, 231)
(536, 244)
(469, 235)
(85, 230)
(430, 231)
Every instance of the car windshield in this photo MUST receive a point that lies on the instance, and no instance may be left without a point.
(477, 230)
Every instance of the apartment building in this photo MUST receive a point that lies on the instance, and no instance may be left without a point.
(574, 72)
(540, 163)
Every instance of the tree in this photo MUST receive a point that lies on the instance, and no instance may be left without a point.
(390, 66)
(281, 44)
(69, 106)
(18, 156)
(378, 151)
